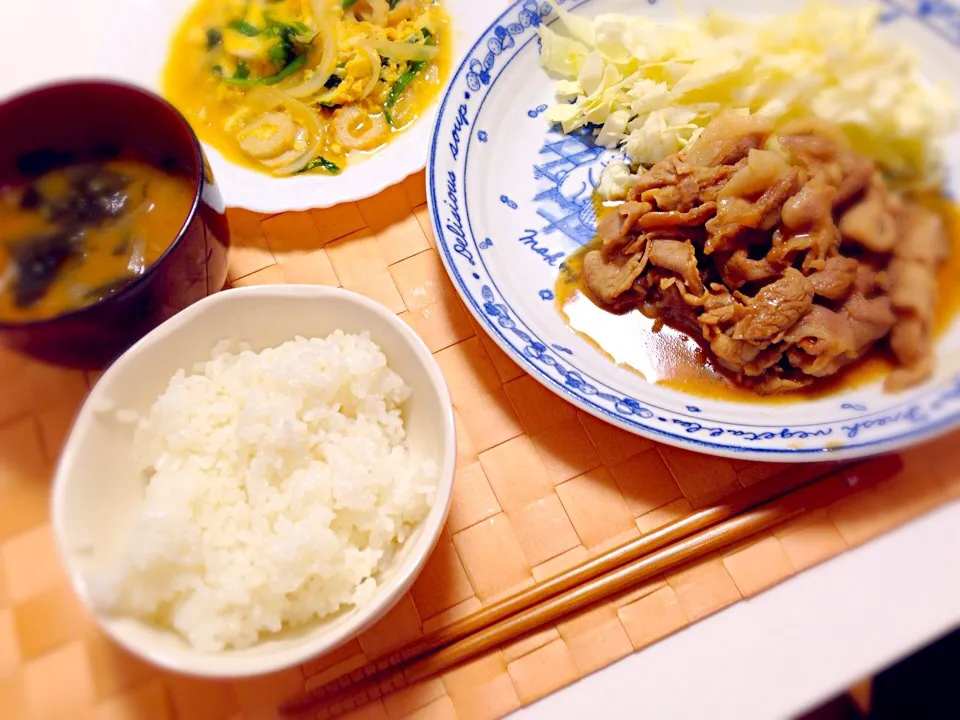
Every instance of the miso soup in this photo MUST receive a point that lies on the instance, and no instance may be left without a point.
(78, 233)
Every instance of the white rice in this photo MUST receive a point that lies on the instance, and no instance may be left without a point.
(280, 485)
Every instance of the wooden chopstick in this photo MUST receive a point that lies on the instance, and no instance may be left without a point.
(557, 607)
(662, 537)
(679, 542)
(630, 575)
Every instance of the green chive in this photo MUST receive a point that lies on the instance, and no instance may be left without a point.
(323, 163)
(243, 27)
(289, 70)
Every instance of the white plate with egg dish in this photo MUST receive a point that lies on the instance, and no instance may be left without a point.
(256, 481)
(299, 103)
(722, 227)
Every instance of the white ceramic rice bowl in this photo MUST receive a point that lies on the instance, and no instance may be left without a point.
(96, 488)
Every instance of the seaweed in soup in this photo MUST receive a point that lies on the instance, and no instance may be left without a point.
(38, 259)
(31, 198)
(96, 194)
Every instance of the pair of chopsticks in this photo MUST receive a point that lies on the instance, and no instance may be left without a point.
(740, 517)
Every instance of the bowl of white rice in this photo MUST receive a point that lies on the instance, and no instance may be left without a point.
(257, 481)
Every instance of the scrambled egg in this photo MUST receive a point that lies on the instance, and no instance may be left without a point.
(228, 51)
(354, 68)
(244, 47)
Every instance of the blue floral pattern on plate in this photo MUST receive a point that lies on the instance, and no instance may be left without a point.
(502, 227)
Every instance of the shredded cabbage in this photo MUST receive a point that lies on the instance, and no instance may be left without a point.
(650, 87)
(561, 54)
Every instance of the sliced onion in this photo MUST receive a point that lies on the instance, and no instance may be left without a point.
(288, 158)
(262, 99)
(366, 140)
(242, 114)
(283, 136)
(404, 50)
(373, 11)
(327, 34)
(374, 73)
(136, 263)
(308, 119)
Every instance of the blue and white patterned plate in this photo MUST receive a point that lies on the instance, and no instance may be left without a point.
(510, 198)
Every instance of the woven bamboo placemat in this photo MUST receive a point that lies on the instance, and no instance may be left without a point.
(539, 488)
